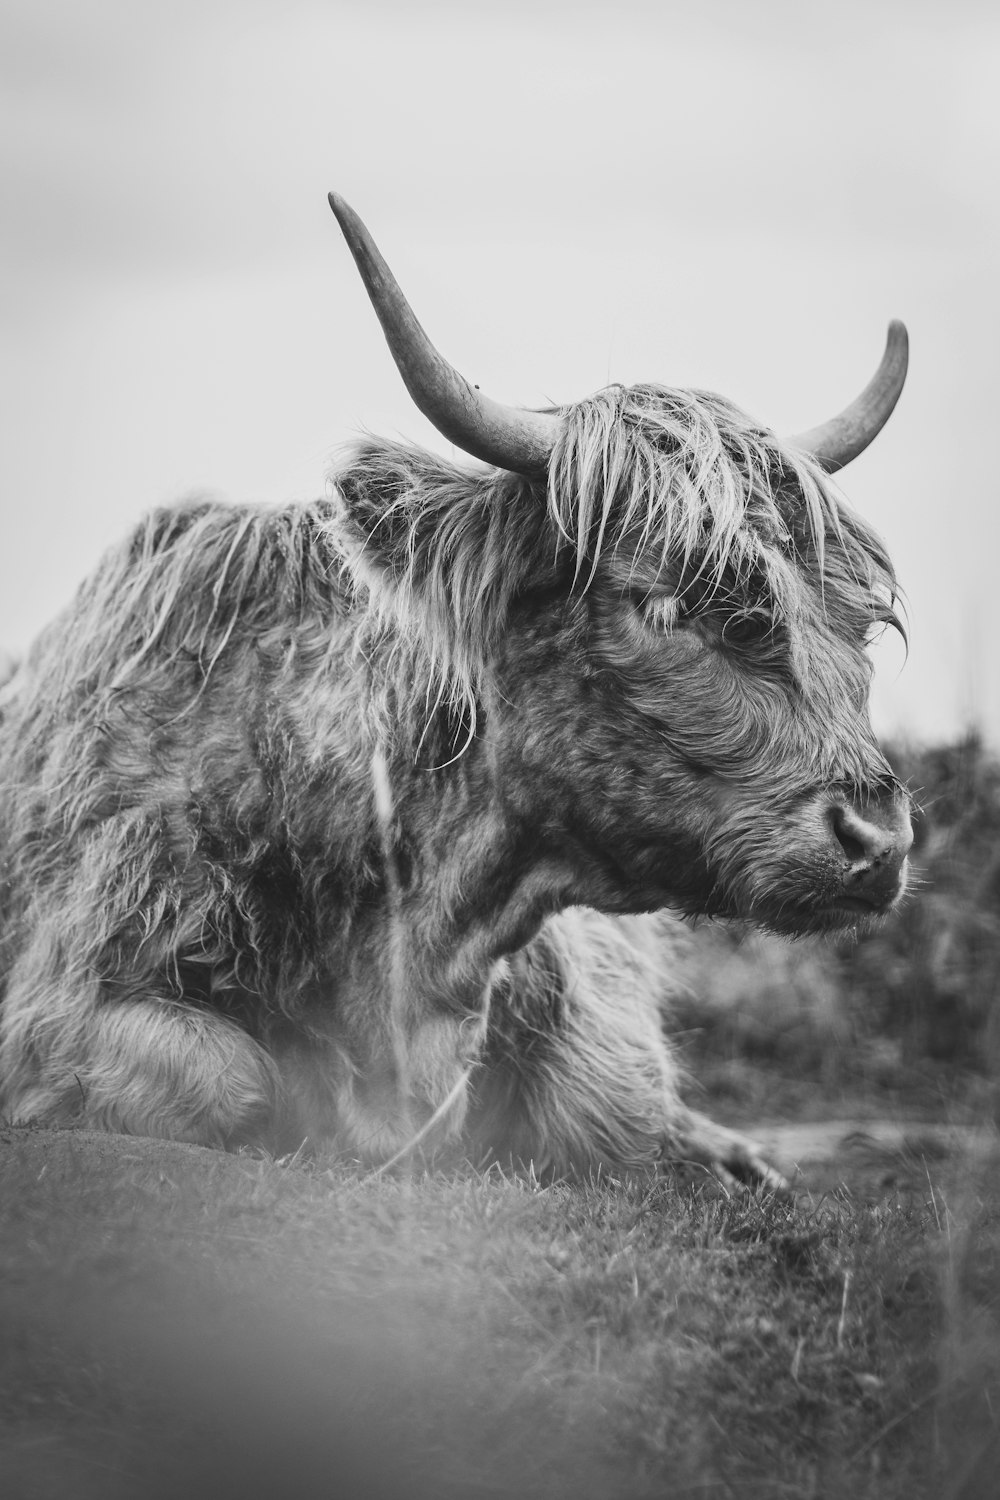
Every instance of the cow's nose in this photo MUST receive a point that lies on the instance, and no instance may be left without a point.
(875, 841)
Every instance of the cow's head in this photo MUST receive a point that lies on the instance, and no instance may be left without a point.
(676, 607)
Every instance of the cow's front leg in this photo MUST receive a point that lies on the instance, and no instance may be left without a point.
(733, 1158)
(578, 1075)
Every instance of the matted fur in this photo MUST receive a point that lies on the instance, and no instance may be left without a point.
(299, 805)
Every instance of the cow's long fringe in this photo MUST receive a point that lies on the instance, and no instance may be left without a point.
(686, 472)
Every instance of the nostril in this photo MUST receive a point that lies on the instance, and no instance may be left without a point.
(873, 838)
(855, 852)
(850, 832)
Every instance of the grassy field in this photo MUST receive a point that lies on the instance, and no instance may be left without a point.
(174, 1321)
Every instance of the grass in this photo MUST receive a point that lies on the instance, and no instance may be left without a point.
(191, 1323)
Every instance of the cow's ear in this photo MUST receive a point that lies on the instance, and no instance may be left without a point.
(416, 521)
(377, 502)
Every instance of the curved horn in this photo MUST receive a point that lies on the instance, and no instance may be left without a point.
(501, 435)
(835, 443)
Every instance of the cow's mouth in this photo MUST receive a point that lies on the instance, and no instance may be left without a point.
(859, 906)
(861, 913)
(825, 911)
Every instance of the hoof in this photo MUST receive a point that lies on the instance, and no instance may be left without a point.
(732, 1158)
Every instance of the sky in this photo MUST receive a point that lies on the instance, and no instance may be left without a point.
(731, 196)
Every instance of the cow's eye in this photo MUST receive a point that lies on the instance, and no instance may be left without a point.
(747, 628)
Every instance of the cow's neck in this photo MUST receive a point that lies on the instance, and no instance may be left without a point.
(487, 862)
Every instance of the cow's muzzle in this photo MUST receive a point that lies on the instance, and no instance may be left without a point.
(873, 838)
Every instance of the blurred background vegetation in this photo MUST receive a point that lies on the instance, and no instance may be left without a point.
(909, 1011)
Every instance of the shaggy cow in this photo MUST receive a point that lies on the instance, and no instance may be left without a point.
(339, 820)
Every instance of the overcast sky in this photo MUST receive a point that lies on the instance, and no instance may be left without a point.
(736, 196)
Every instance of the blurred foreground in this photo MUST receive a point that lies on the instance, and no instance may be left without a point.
(177, 1322)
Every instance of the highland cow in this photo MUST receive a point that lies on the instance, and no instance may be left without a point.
(372, 821)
